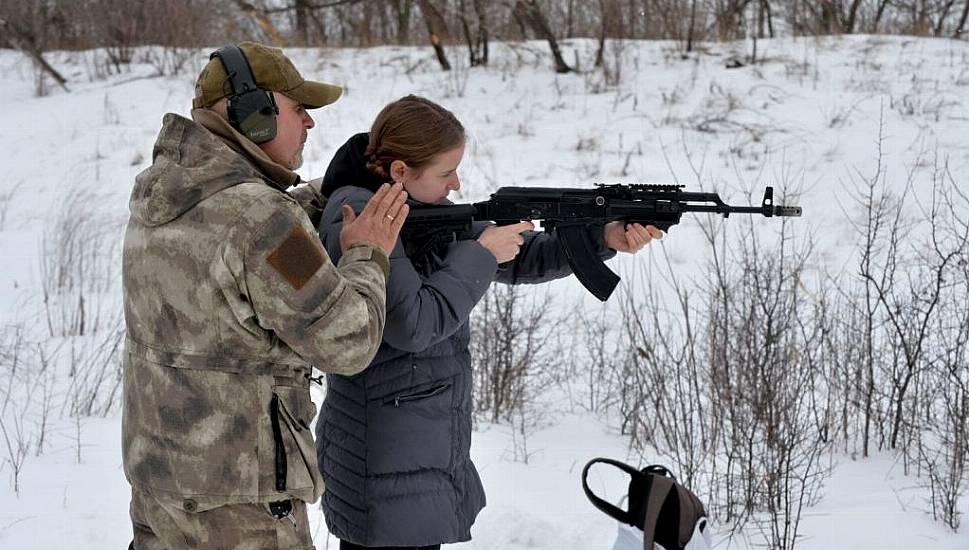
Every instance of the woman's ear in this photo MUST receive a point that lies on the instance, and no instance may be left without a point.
(398, 169)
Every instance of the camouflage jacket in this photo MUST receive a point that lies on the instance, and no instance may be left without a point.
(229, 299)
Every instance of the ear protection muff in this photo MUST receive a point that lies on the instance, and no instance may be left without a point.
(252, 110)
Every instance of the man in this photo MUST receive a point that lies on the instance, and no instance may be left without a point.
(229, 299)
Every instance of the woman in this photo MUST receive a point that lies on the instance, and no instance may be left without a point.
(393, 442)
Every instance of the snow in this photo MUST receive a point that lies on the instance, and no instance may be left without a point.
(807, 119)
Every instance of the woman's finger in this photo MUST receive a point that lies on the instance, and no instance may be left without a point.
(637, 236)
(521, 227)
(647, 235)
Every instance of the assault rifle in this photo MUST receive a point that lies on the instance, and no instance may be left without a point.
(569, 212)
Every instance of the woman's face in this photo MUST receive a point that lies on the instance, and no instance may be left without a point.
(432, 183)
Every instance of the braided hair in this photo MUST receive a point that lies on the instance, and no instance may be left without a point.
(414, 130)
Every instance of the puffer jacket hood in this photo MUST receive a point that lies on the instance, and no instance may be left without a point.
(349, 167)
(193, 160)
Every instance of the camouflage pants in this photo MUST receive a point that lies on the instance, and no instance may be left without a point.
(162, 526)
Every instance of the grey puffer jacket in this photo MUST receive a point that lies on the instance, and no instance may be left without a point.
(393, 442)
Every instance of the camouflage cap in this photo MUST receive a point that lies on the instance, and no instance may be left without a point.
(272, 71)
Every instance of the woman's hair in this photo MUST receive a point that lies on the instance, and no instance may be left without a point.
(411, 129)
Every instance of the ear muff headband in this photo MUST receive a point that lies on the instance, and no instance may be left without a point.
(251, 109)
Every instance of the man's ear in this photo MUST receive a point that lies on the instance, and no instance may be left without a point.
(397, 170)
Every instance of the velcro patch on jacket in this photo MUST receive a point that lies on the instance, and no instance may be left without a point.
(298, 257)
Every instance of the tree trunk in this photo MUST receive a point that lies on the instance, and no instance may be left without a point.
(631, 9)
(302, 23)
(878, 16)
(940, 24)
(478, 40)
(466, 29)
(402, 10)
(263, 21)
(25, 42)
(366, 29)
(761, 20)
(604, 16)
(644, 12)
(829, 17)
(438, 31)
(481, 10)
(962, 21)
(569, 18)
(900, 409)
(320, 29)
(690, 31)
(852, 17)
(531, 13)
(770, 18)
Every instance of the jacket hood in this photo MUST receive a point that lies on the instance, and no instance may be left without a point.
(349, 167)
(192, 161)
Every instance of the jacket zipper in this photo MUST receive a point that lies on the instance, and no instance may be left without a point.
(431, 392)
(280, 446)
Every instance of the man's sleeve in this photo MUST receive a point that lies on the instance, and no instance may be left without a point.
(332, 316)
(310, 199)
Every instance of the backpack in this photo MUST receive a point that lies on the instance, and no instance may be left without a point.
(668, 513)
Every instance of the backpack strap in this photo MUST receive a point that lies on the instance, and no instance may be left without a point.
(660, 489)
(639, 485)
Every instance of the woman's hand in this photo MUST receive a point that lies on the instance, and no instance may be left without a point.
(504, 241)
(629, 238)
(379, 222)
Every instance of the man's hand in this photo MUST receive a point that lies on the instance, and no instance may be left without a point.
(505, 241)
(379, 222)
(629, 238)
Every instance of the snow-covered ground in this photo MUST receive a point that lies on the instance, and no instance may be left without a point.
(808, 118)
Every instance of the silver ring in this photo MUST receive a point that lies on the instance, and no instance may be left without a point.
(389, 217)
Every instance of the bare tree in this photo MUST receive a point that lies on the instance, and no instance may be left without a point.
(478, 39)
(530, 12)
(509, 347)
(19, 33)
(942, 448)
(21, 383)
(263, 19)
(437, 30)
(78, 266)
(402, 11)
(960, 27)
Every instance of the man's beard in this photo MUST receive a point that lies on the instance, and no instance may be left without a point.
(297, 161)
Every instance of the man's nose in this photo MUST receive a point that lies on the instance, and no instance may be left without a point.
(308, 121)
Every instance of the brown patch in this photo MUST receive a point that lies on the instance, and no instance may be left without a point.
(298, 257)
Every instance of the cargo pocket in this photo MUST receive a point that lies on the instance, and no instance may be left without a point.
(291, 411)
(411, 430)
